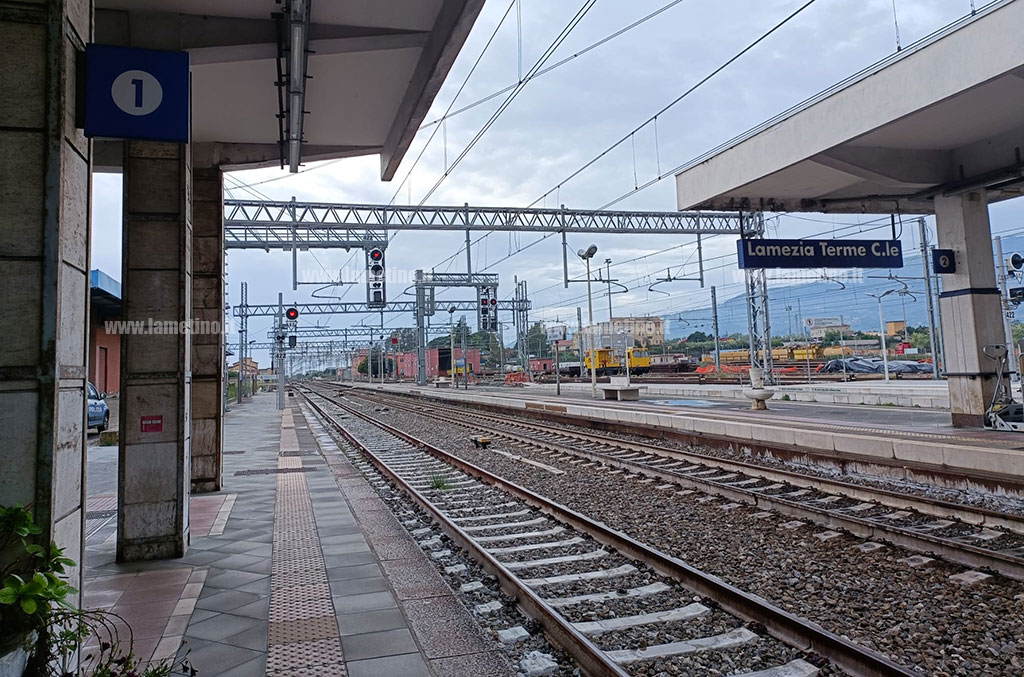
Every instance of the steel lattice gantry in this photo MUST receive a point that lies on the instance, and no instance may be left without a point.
(357, 331)
(262, 224)
(270, 310)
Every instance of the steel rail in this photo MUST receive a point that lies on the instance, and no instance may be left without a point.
(950, 550)
(587, 655)
(974, 515)
(789, 628)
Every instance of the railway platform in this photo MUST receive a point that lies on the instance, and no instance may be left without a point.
(295, 568)
(905, 442)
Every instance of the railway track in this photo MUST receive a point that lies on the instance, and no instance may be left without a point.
(595, 591)
(970, 536)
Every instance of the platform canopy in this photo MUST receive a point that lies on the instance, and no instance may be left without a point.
(372, 69)
(941, 117)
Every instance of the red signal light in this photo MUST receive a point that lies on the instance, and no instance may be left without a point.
(292, 313)
(376, 255)
(494, 302)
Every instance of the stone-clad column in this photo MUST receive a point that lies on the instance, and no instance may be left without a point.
(45, 163)
(207, 313)
(154, 469)
(971, 312)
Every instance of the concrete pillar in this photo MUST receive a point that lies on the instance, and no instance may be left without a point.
(154, 468)
(207, 315)
(45, 164)
(970, 305)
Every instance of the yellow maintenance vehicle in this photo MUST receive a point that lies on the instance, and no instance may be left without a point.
(610, 364)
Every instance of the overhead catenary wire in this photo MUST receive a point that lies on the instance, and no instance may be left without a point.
(559, 39)
(764, 36)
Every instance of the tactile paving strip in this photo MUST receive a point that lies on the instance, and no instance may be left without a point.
(320, 657)
(274, 471)
(303, 630)
(303, 636)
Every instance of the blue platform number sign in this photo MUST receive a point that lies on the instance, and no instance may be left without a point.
(136, 94)
(943, 261)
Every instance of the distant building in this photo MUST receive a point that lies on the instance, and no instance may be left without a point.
(252, 367)
(104, 348)
(438, 362)
(820, 332)
(649, 330)
(541, 365)
(895, 328)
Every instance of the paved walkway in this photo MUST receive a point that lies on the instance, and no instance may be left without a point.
(296, 568)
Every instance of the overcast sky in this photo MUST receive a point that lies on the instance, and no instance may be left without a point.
(563, 119)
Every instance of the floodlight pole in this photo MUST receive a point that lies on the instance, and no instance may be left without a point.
(586, 256)
(933, 344)
(881, 337)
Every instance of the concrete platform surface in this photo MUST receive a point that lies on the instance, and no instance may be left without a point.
(295, 568)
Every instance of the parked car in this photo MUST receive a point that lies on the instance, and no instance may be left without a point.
(99, 413)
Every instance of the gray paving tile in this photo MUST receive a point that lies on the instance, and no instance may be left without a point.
(352, 572)
(231, 580)
(357, 586)
(344, 548)
(254, 668)
(258, 609)
(370, 621)
(215, 629)
(240, 562)
(214, 658)
(368, 601)
(225, 601)
(254, 638)
(377, 644)
(246, 548)
(407, 665)
(349, 559)
(334, 539)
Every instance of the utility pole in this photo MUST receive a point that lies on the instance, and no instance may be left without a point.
(714, 328)
(1004, 306)
(279, 337)
(932, 343)
(608, 273)
(465, 358)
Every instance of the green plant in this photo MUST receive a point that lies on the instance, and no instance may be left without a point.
(785, 397)
(439, 482)
(35, 605)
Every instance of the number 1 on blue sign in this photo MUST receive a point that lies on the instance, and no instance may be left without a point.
(137, 84)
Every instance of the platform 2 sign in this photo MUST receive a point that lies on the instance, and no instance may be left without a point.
(759, 253)
(136, 94)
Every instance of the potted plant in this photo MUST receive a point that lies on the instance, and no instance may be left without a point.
(41, 632)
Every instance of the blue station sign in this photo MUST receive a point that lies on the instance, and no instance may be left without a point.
(758, 253)
(136, 94)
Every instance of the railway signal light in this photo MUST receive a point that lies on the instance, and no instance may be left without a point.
(292, 313)
(376, 293)
(487, 312)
